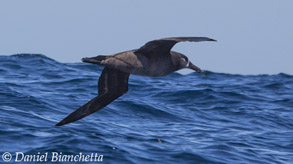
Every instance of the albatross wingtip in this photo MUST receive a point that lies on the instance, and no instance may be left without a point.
(60, 123)
(212, 40)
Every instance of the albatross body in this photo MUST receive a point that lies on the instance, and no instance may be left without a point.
(153, 59)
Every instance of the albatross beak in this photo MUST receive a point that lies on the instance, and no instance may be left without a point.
(193, 67)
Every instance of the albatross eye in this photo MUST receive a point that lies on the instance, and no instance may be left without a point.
(184, 62)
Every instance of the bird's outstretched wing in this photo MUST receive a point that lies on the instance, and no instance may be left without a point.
(112, 84)
(163, 46)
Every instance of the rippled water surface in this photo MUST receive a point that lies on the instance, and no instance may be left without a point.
(208, 118)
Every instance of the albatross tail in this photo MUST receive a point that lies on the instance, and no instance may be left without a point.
(94, 60)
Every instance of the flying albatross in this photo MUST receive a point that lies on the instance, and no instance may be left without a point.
(155, 58)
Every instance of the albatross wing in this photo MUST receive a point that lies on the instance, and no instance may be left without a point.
(164, 46)
(112, 84)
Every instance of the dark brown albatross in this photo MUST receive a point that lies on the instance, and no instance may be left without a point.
(155, 58)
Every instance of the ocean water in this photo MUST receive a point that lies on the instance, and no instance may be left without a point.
(212, 118)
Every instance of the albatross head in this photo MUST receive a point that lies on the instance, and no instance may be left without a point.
(185, 63)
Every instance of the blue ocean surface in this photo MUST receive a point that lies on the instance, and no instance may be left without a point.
(209, 118)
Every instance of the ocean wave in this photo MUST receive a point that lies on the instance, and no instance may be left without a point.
(195, 118)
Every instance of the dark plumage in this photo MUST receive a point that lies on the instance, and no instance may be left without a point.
(155, 58)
